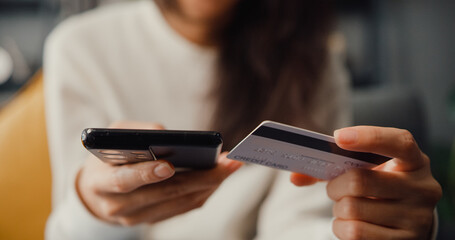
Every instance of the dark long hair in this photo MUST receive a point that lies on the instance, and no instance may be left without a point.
(272, 55)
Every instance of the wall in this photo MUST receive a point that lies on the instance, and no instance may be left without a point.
(416, 39)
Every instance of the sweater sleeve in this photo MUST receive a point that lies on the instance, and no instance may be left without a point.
(73, 102)
(295, 213)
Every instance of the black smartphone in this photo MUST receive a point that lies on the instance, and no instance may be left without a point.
(184, 149)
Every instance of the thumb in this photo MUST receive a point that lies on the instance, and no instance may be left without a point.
(126, 178)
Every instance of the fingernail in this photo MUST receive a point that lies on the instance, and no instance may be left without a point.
(163, 170)
(346, 136)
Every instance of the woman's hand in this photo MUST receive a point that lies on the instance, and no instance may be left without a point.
(137, 193)
(394, 201)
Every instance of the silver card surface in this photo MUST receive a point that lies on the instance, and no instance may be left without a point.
(294, 149)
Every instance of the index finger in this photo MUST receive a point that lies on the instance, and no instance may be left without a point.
(392, 142)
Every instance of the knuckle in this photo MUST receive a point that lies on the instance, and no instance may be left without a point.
(175, 190)
(349, 208)
(354, 231)
(419, 221)
(436, 191)
(425, 219)
(357, 182)
(434, 195)
(431, 193)
(204, 199)
(425, 158)
(329, 190)
(200, 203)
(408, 142)
(90, 186)
(118, 184)
(178, 190)
(195, 200)
(111, 209)
(375, 137)
(127, 221)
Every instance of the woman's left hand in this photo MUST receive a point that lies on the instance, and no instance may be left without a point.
(395, 200)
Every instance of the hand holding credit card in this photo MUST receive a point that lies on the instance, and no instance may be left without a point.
(298, 150)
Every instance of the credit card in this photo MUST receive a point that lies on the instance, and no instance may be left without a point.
(294, 149)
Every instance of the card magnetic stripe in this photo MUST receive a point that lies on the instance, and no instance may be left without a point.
(321, 145)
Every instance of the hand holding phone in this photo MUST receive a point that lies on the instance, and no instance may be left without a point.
(130, 194)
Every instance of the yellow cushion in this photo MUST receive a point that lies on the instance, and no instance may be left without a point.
(25, 177)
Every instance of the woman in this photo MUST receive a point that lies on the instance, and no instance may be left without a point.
(224, 65)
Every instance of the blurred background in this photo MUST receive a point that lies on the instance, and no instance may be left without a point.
(400, 54)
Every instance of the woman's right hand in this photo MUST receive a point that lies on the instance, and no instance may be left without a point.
(137, 193)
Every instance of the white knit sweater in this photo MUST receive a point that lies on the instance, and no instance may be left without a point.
(123, 62)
